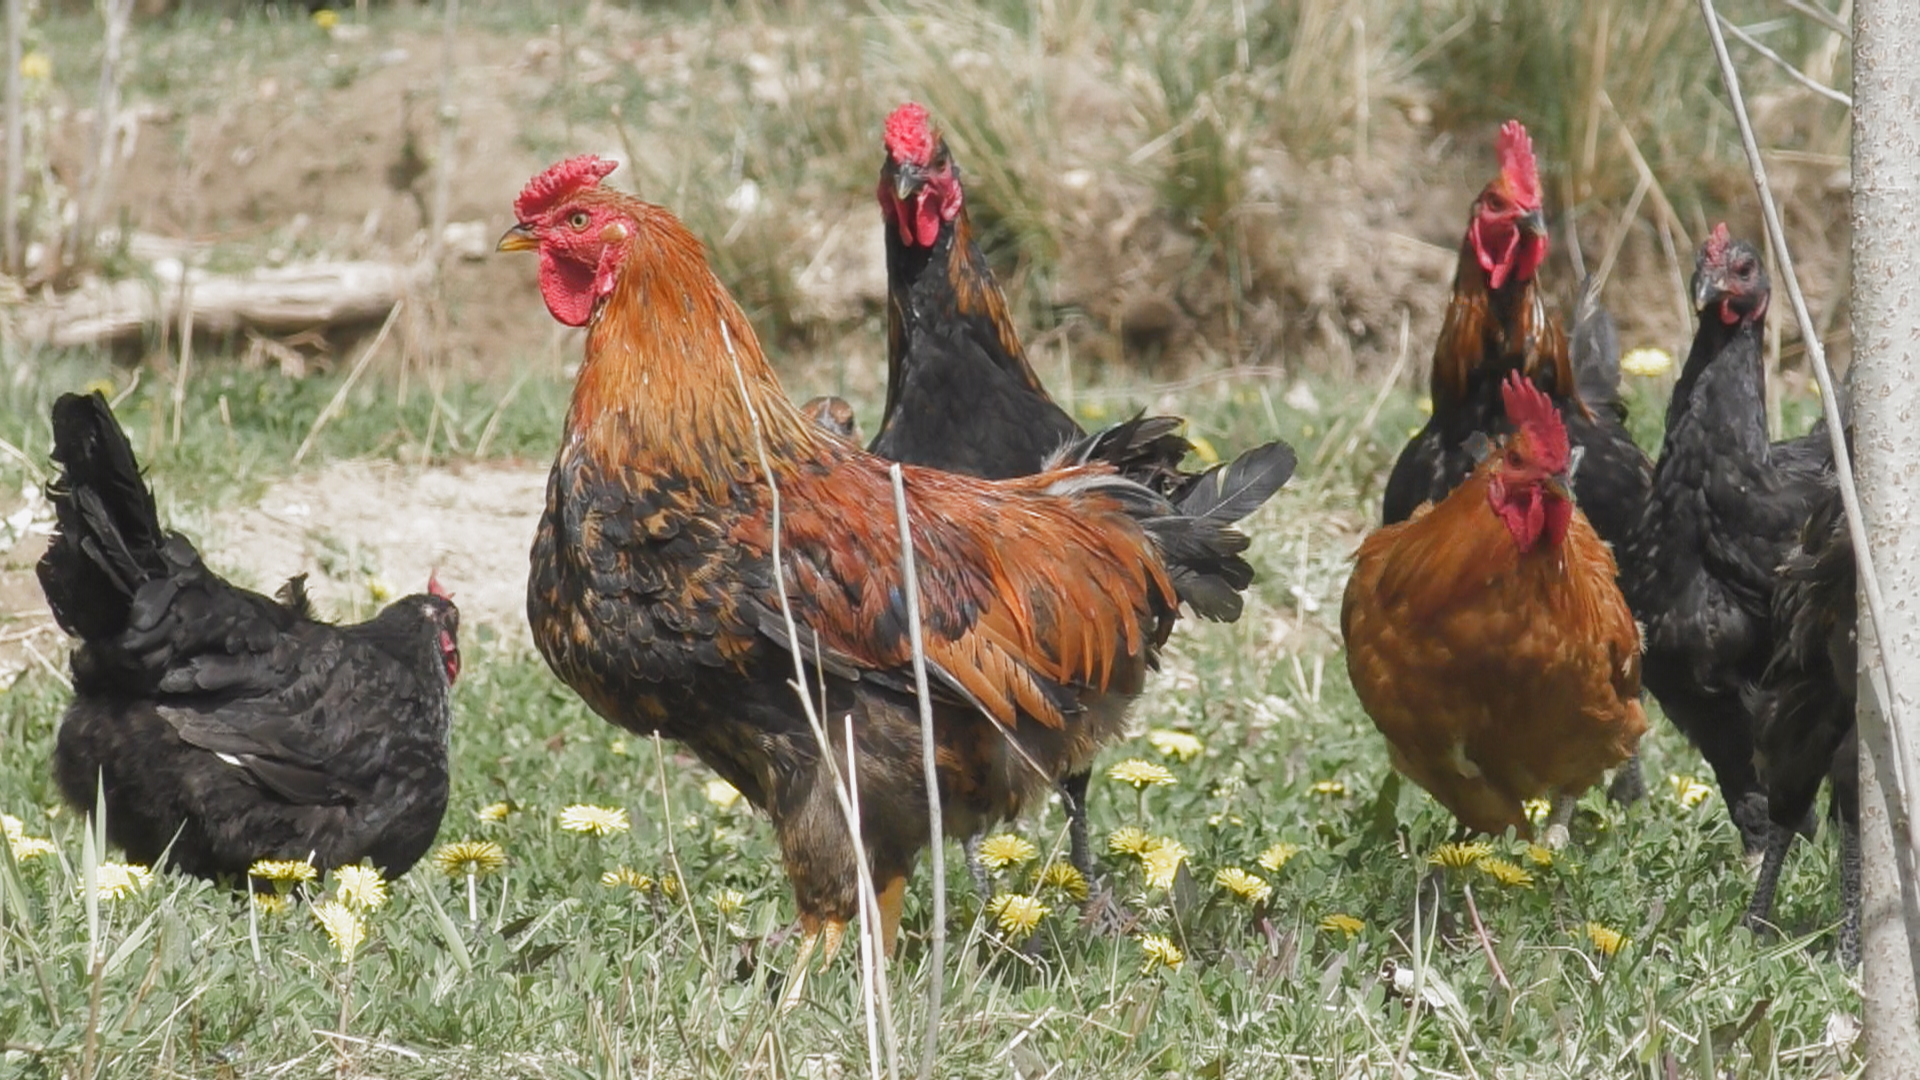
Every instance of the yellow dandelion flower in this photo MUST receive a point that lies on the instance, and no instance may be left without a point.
(1647, 363)
(618, 748)
(722, 794)
(1162, 862)
(1249, 887)
(1537, 810)
(35, 67)
(469, 858)
(669, 885)
(1329, 787)
(1459, 856)
(1278, 856)
(1129, 840)
(1017, 914)
(326, 18)
(628, 877)
(1688, 791)
(1539, 856)
(359, 887)
(378, 589)
(116, 881)
(1506, 873)
(1066, 878)
(730, 901)
(1160, 952)
(30, 847)
(1343, 924)
(1425, 405)
(344, 926)
(1093, 410)
(1140, 774)
(284, 871)
(1003, 850)
(495, 813)
(271, 903)
(12, 826)
(1177, 745)
(1605, 939)
(1203, 449)
(594, 820)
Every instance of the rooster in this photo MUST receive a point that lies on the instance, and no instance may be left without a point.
(1804, 707)
(1497, 323)
(1725, 509)
(961, 395)
(1488, 641)
(704, 544)
(227, 727)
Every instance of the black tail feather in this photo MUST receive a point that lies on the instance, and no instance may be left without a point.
(108, 538)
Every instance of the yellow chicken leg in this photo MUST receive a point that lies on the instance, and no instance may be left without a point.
(892, 898)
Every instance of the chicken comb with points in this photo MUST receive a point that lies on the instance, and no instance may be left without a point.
(1717, 243)
(434, 588)
(1529, 409)
(571, 175)
(909, 136)
(1518, 165)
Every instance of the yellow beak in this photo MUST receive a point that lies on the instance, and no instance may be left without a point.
(518, 238)
(1560, 486)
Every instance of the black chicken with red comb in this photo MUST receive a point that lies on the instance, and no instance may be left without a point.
(961, 395)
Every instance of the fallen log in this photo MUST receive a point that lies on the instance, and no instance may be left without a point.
(280, 300)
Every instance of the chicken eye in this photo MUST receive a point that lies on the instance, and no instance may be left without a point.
(1513, 459)
(1744, 268)
(578, 219)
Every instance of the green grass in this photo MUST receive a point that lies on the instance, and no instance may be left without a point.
(563, 976)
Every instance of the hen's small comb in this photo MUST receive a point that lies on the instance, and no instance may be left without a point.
(1529, 409)
(1717, 243)
(909, 136)
(571, 175)
(1517, 164)
(434, 588)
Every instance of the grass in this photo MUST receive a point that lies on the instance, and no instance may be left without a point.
(562, 975)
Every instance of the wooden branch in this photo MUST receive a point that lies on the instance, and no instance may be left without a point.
(282, 300)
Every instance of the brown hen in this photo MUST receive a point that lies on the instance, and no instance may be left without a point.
(1487, 639)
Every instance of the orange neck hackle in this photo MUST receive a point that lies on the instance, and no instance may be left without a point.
(673, 368)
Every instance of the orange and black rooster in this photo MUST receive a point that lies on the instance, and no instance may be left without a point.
(1488, 641)
(960, 393)
(1497, 323)
(661, 593)
(224, 726)
(1726, 509)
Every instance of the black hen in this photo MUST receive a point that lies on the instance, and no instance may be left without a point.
(1804, 706)
(961, 396)
(1726, 508)
(228, 727)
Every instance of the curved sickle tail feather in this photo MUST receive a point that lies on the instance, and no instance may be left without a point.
(1193, 524)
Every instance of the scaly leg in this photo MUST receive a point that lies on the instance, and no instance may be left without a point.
(1558, 819)
(1772, 858)
(975, 868)
(892, 898)
(1073, 795)
(1849, 893)
(1629, 783)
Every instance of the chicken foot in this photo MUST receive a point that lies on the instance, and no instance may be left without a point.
(1558, 819)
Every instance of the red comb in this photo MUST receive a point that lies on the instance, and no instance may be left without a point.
(571, 175)
(909, 136)
(1517, 164)
(1717, 243)
(1529, 409)
(434, 588)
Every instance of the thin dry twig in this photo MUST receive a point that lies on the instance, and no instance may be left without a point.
(346, 387)
(1785, 65)
(909, 570)
(1830, 407)
(16, 145)
(1486, 942)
